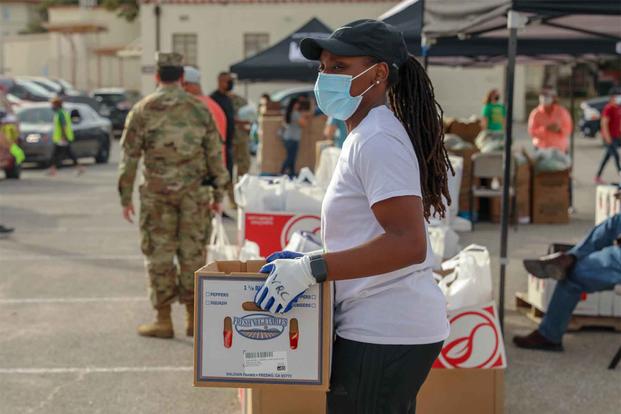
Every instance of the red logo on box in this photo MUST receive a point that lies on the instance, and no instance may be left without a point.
(475, 340)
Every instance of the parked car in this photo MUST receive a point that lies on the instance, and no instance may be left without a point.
(116, 103)
(69, 95)
(7, 119)
(591, 113)
(50, 85)
(92, 132)
(25, 90)
(284, 96)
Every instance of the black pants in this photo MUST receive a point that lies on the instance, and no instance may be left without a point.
(61, 152)
(610, 151)
(378, 379)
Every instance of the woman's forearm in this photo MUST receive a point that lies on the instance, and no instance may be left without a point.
(383, 254)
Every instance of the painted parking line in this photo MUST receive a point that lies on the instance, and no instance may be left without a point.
(92, 370)
(46, 257)
(43, 301)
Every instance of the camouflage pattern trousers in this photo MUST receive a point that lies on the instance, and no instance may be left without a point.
(173, 226)
(241, 152)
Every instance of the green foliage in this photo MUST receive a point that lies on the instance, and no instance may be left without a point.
(128, 9)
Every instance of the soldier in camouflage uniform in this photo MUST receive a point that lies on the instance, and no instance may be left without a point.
(181, 149)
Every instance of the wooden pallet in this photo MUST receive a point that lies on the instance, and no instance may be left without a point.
(578, 322)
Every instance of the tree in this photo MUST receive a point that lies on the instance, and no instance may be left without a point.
(128, 9)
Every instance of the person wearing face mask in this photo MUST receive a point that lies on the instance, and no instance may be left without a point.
(493, 113)
(611, 133)
(223, 98)
(390, 316)
(549, 124)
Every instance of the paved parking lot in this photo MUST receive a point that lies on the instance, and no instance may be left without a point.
(72, 291)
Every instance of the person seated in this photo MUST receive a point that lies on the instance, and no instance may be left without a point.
(593, 265)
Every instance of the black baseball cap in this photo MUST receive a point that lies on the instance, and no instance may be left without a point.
(361, 38)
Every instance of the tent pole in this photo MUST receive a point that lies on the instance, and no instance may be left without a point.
(509, 78)
(572, 107)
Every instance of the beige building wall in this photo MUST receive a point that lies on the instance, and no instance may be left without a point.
(80, 63)
(15, 16)
(27, 55)
(460, 91)
(220, 31)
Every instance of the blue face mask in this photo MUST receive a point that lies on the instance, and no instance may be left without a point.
(332, 94)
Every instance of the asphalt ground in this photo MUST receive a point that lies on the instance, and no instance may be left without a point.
(73, 290)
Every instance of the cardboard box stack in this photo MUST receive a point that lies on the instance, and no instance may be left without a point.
(272, 151)
(550, 197)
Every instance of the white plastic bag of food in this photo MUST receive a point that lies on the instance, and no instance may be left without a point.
(327, 164)
(254, 193)
(444, 242)
(304, 242)
(219, 247)
(250, 251)
(469, 281)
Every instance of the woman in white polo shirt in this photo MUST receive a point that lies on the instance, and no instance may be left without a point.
(390, 317)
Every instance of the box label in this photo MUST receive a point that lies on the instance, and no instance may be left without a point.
(265, 362)
(238, 343)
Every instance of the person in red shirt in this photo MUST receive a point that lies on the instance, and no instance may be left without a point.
(610, 129)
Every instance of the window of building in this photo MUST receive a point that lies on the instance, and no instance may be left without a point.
(187, 45)
(255, 42)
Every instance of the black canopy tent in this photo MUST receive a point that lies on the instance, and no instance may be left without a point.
(475, 32)
(447, 46)
(283, 61)
(576, 21)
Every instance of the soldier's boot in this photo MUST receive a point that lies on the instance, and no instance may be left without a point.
(189, 319)
(161, 328)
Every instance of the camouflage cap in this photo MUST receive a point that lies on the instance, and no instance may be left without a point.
(168, 59)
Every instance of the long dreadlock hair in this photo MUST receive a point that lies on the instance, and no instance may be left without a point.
(411, 97)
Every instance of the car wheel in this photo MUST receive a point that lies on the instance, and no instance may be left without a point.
(104, 152)
(14, 172)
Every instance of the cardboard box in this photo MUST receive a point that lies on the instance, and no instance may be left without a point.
(462, 391)
(276, 402)
(466, 130)
(606, 303)
(238, 345)
(475, 341)
(273, 230)
(606, 205)
(616, 305)
(540, 293)
(550, 197)
(271, 153)
(522, 192)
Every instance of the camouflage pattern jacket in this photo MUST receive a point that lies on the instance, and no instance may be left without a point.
(177, 136)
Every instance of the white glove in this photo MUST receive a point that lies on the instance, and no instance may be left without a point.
(288, 279)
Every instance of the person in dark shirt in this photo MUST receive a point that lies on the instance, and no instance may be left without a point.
(221, 96)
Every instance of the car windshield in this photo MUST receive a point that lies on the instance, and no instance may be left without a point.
(35, 89)
(36, 115)
(47, 85)
(111, 99)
